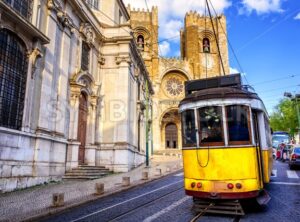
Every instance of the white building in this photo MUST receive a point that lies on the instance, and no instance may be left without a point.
(73, 90)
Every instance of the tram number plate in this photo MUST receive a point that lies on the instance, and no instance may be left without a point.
(220, 186)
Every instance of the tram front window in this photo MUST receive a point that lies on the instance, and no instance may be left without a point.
(210, 122)
(238, 124)
(189, 129)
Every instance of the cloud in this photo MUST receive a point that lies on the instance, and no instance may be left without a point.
(171, 29)
(261, 6)
(233, 70)
(164, 48)
(171, 12)
(297, 17)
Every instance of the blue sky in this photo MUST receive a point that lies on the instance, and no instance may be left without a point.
(265, 35)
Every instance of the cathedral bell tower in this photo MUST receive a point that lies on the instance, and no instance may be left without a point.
(200, 38)
(144, 24)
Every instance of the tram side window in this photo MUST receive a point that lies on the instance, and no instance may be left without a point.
(189, 129)
(238, 124)
(211, 130)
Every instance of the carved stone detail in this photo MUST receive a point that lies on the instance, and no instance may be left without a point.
(101, 60)
(120, 59)
(87, 30)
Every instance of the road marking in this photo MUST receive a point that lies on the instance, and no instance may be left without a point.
(274, 173)
(134, 198)
(292, 174)
(178, 175)
(286, 183)
(166, 210)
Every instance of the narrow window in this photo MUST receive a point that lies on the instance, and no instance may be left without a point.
(94, 4)
(13, 75)
(168, 144)
(85, 56)
(23, 7)
(206, 45)
(211, 130)
(120, 17)
(189, 137)
(141, 42)
(238, 125)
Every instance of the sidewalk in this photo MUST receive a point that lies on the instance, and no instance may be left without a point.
(37, 201)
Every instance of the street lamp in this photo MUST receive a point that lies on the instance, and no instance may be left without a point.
(295, 98)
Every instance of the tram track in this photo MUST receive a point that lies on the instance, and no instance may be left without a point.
(143, 205)
(215, 208)
(201, 214)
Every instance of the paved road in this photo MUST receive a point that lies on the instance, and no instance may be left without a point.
(164, 200)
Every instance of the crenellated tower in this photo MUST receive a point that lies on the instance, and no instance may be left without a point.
(145, 27)
(199, 39)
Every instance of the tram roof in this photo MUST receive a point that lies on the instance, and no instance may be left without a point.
(220, 93)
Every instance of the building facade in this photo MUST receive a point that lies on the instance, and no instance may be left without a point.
(74, 90)
(200, 58)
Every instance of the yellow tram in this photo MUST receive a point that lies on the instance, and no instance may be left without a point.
(227, 150)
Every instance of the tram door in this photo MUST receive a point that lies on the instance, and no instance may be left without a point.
(258, 144)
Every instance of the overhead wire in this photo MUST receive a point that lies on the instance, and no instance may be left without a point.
(215, 34)
(230, 45)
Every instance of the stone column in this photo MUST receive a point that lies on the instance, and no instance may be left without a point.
(90, 148)
(73, 146)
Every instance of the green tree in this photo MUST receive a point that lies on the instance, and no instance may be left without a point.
(284, 117)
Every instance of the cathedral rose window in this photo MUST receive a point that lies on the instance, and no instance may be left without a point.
(174, 86)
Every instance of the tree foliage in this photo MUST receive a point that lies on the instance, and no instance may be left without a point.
(284, 117)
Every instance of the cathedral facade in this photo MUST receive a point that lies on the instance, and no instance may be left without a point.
(201, 57)
(82, 84)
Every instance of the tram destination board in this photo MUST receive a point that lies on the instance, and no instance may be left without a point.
(215, 82)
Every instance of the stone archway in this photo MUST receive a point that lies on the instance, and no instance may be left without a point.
(170, 130)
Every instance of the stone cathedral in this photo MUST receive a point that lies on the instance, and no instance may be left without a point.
(75, 86)
(200, 58)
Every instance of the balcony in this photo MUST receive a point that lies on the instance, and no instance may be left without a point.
(22, 7)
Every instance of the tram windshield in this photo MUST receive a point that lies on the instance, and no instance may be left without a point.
(210, 126)
(189, 129)
(238, 124)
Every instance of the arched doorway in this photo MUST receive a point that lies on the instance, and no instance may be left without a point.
(171, 132)
(82, 123)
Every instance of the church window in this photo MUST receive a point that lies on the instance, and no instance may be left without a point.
(23, 7)
(94, 4)
(85, 56)
(206, 45)
(13, 75)
(141, 42)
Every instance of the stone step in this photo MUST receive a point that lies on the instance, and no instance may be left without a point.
(66, 177)
(88, 173)
(87, 170)
(89, 167)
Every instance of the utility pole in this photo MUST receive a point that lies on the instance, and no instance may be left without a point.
(147, 124)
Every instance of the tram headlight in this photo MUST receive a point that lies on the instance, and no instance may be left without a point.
(193, 184)
(199, 185)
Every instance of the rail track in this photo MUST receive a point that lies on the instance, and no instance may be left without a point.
(144, 205)
(203, 207)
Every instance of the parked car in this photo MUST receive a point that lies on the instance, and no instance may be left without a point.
(294, 159)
